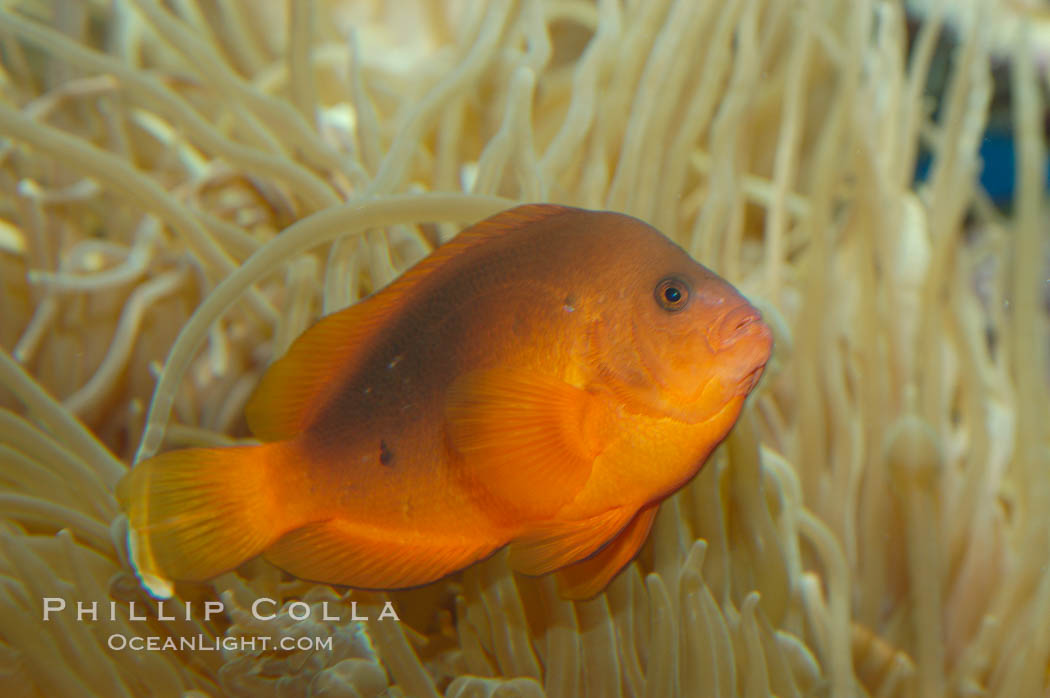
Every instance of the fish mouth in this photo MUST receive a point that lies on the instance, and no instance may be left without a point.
(750, 349)
(748, 383)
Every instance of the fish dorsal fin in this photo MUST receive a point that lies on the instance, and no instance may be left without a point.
(296, 385)
(492, 228)
(527, 440)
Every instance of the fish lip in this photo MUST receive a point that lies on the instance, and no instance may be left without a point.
(738, 323)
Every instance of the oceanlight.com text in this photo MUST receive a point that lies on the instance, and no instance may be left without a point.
(203, 643)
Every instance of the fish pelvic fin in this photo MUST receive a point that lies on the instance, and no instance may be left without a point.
(552, 545)
(586, 578)
(198, 512)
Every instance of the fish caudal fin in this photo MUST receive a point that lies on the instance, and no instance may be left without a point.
(198, 512)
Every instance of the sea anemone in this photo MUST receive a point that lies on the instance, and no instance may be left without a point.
(189, 184)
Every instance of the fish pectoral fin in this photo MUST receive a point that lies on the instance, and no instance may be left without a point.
(527, 439)
(584, 579)
(337, 551)
(553, 545)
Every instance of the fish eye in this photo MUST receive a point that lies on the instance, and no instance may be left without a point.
(672, 294)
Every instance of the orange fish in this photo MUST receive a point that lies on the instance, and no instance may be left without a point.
(542, 381)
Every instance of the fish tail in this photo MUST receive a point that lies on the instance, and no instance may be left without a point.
(198, 512)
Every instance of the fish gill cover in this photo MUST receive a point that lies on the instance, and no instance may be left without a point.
(189, 185)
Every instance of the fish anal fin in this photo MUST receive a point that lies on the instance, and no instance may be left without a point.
(337, 551)
(553, 545)
(584, 579)
(527, 440)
